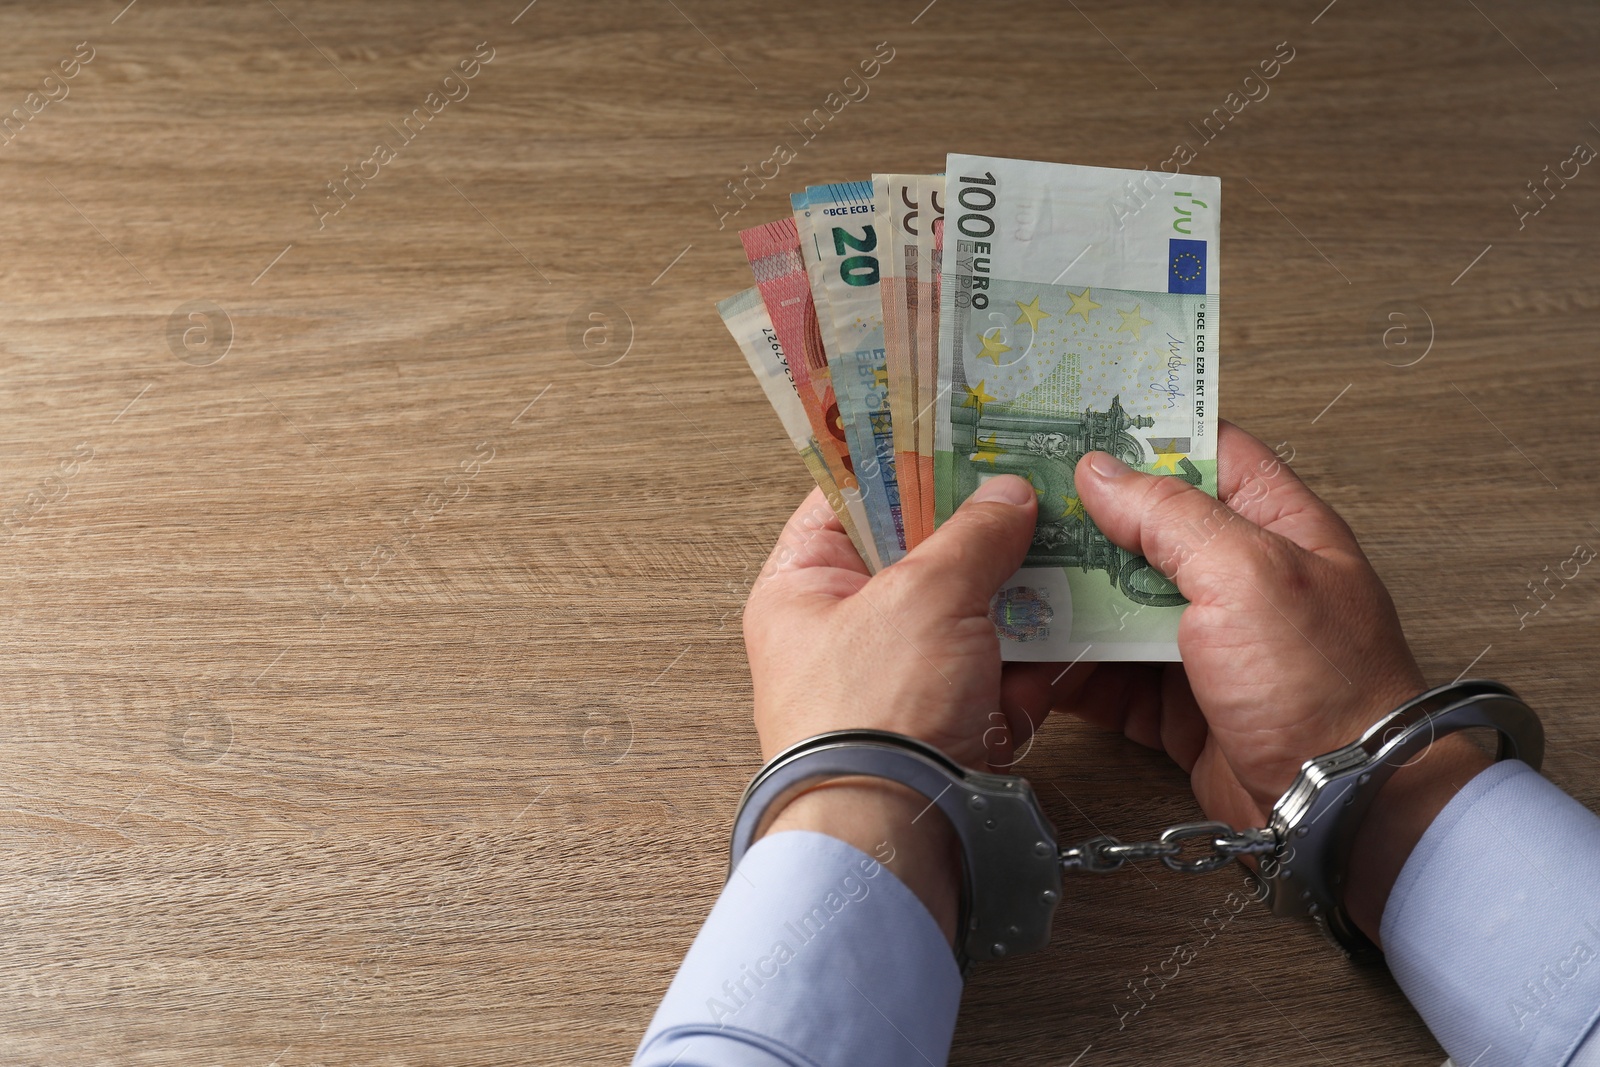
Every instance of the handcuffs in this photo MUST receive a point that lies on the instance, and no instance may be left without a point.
(1012, 865)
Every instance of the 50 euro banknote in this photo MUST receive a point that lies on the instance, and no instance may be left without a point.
(896, 213)
(928, 239)
(1078, 312)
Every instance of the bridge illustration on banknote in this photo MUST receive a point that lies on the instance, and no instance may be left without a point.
(1045, 449)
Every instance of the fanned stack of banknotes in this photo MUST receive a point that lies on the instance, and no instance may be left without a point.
(918, 334)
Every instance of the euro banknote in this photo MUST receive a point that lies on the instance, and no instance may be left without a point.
(895, 210)
(845, 249)
(1069, 309)
(929, 234)
(745, 316)
(778, 264)
(1078, 312)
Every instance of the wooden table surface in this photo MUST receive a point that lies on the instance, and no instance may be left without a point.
(372, 683)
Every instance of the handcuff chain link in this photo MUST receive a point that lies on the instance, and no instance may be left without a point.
(1104, 853)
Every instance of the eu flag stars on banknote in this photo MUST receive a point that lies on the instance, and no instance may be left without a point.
(918, 334)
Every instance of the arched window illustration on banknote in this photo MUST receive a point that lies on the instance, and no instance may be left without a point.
(1045, 450)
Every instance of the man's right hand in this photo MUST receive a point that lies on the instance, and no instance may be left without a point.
(1291, 648)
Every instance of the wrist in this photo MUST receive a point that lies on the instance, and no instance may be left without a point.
(894, 825)
(1400, 814)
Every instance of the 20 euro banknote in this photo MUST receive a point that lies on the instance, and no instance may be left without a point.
(843, 259)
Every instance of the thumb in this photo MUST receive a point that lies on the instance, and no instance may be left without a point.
(1189, 536)
(958, 568)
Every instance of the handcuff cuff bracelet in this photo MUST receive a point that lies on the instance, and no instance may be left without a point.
(1012, 865)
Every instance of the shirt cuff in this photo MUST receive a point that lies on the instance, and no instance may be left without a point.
(814, 954)
(1493, 927)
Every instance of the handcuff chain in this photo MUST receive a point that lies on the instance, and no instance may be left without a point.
(1104, 853)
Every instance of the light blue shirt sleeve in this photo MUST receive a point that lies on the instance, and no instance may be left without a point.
(814, 954)
(1493, 927)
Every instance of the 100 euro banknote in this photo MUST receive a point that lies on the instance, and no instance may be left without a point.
(1078, 313)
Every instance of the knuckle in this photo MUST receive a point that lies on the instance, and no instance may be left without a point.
(757, 594)
(1167, 502)
(1255, 573)
(1275, 566)
(1295, 575)
(917, 571)
(766, 594)
(1174, 517)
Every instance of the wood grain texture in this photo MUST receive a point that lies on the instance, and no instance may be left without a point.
(317, 749)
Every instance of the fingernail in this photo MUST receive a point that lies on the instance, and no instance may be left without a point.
(1007, 489)
(1106, 465)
